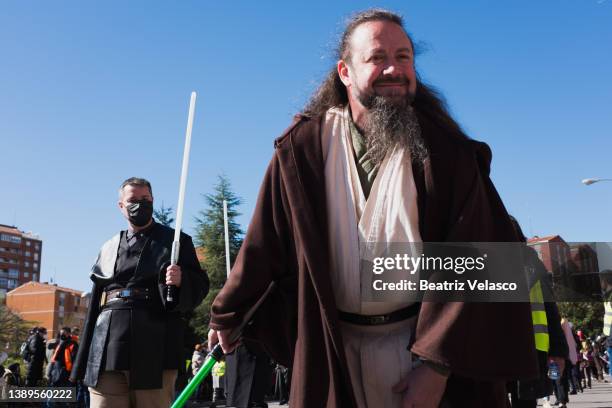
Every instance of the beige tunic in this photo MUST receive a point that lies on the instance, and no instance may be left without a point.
(377, 355)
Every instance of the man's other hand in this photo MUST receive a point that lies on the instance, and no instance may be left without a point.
(221, 337)
(173, 275)
(422, 388)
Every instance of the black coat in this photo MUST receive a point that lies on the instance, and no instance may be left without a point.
(36, 347)
(157, 331)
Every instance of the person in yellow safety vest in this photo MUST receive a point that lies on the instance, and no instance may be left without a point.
(219, 369)
(606, 287)
(549, 339)
(218, 372)
(538, 317)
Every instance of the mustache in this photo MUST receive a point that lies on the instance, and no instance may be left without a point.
(399, 80)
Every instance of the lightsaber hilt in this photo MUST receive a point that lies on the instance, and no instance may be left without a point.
(171, 290)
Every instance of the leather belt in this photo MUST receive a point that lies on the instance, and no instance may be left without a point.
(125, 294)
(375, 320)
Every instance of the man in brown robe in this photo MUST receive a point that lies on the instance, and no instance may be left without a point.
(469, 349)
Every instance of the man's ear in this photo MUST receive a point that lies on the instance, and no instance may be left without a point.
(343, 72)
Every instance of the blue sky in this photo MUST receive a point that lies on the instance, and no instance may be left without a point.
(91, 94)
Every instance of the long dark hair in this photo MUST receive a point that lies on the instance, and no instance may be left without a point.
(332, 92)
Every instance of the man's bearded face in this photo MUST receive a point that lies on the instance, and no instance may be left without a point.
(381, 64)
(380, 77)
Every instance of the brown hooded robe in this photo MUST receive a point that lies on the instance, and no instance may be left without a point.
(287, 242)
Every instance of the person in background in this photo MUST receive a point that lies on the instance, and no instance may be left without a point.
(75, 333)
(2, 381)
(572, 359)
(549, 338)
(587, 366)
(219, 380)
(606, 288)
(281, 385)
(197, 360)
(63, 359)
(597, 363)
(12, 376)
(36, 351)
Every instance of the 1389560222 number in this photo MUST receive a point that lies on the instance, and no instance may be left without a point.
(33, 394)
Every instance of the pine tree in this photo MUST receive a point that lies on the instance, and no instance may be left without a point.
(163, 215)
(210, 236)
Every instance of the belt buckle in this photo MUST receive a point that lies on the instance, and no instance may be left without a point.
(378, 319)
(124, 293)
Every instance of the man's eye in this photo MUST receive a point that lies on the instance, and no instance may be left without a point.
(377, 58)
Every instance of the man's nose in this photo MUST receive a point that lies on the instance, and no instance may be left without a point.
(390, 70)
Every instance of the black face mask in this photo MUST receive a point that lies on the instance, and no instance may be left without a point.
(140, 212)
(64, 337)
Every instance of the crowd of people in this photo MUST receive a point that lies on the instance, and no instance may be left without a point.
(58, 354)
(587, 362)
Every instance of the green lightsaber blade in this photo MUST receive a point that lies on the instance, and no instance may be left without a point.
(213, 357)
(217, 353)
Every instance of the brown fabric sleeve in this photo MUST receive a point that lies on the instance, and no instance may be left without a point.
(262, 257)
(477, 340)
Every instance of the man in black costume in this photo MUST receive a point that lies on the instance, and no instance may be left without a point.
(131, 346)
(36, 354)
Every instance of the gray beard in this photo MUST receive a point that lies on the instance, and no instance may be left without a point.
(390, 123)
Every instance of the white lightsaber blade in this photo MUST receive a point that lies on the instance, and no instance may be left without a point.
(181, 199)
(227, 254)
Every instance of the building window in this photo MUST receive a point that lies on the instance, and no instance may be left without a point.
(10, 238)
(35, 256)
(35, 266)
(12, 283)
(13, 273)
(3, 282)
(37, 246)
(35, 277)
(26, 274)
(28, 243)
(28, 253)
(27, 264)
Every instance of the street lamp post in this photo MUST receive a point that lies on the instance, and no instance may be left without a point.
(589, 181)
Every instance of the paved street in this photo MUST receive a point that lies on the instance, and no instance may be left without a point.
(600, 396)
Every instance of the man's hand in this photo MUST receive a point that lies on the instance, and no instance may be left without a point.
(221, 337)
(560, 362)
(173, 275)
(422, 388)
